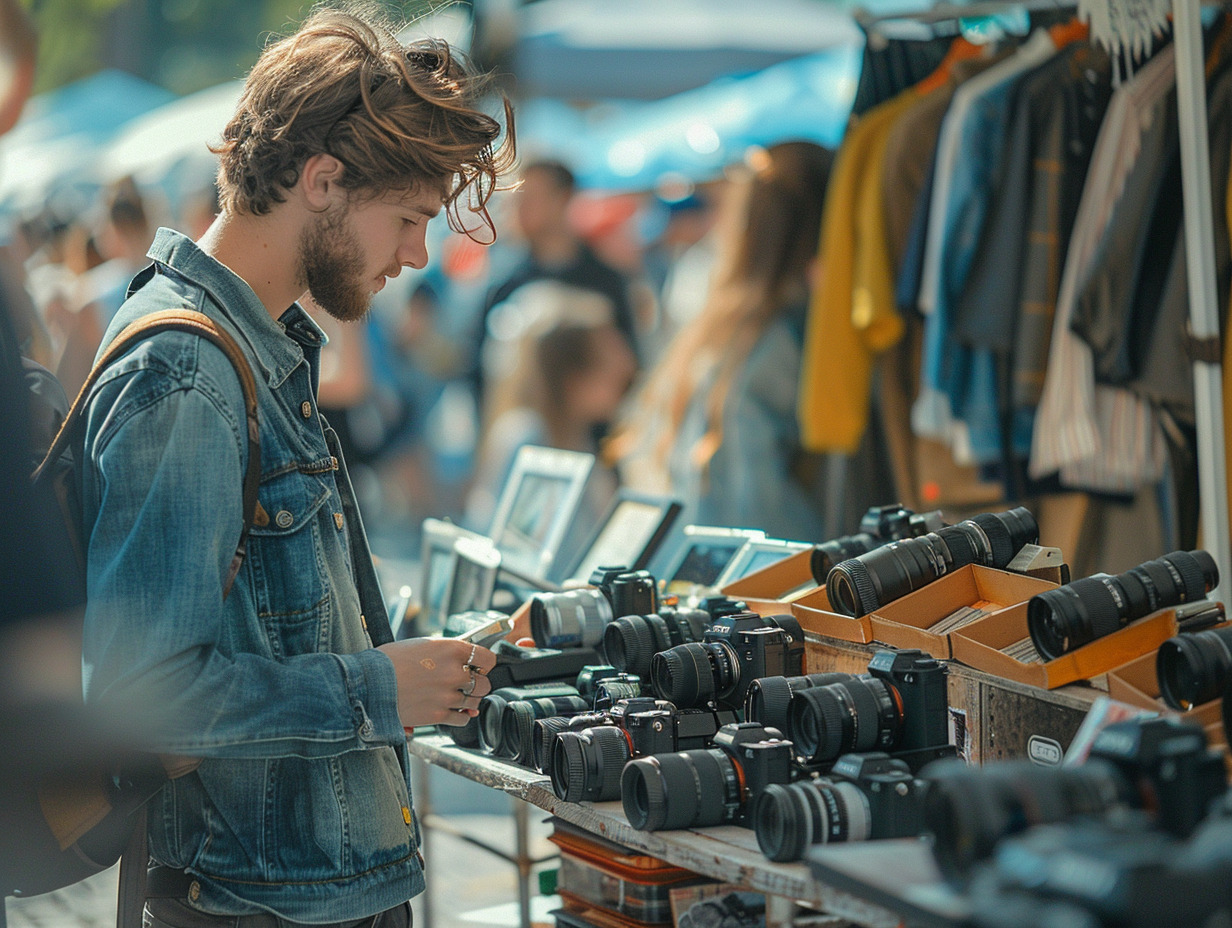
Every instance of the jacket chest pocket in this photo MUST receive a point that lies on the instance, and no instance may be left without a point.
(288, 569)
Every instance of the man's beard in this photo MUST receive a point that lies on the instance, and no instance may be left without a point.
(332, 266)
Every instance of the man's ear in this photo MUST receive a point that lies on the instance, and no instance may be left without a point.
(319, 181)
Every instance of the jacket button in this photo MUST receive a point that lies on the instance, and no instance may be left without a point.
(305, 409)
(194, 891)
(338, 521)
(283, 519)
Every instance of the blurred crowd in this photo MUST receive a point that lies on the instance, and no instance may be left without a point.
(659, 331)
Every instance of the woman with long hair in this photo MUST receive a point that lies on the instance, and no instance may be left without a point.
(715, 423)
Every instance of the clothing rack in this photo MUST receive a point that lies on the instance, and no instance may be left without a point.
(1199, 247)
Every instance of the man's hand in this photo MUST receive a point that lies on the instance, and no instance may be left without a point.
(440, 680)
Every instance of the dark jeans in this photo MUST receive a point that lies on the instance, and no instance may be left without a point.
(177, 913)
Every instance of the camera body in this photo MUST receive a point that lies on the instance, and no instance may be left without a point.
(921, 684)
(762, 753)
(578, 618)
(892, 793)
(630, 592)
(656, 726)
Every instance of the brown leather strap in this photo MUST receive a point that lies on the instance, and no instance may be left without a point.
(196, 323)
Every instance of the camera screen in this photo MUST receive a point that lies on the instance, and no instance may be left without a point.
(466, 592)
(623, 538)
(702, 565)
(536, 508)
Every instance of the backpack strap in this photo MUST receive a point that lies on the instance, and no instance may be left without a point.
(196, 323)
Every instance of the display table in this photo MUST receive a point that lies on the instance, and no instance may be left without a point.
(876, 884)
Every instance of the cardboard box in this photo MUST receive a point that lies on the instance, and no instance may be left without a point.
(904, 622)
(814, 613)
(1137, 683)
(771, 590)
(979, 645)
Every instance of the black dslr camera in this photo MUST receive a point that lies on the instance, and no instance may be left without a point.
(736, 650)
(630, 641)
(577, 618)
(586, 764)
(713, 786)
(899, 707)
(879, 526)
(864, 797)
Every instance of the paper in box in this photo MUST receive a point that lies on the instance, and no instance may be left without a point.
(979, 645)
(1137, 683)
(815, 614)
(771, 590)
(904, 622)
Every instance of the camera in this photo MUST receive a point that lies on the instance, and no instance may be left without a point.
(1070, 616)
(858, 586)
(711, 786)
(734, 651)
(630, 641)
(544, 732)
(577, 618)
(506, 714)
(1158, 763)
(602, 685)
(769, 698)
(586, 765)
(899, 707)
(879, 526)
(865, 797)
(1195, 668)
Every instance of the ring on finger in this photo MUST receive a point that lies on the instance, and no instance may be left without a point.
(470, 661)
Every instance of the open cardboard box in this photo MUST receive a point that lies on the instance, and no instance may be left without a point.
(904, 622)
(815, 614)
(1137, 683)
(979, 645)
(771, 590)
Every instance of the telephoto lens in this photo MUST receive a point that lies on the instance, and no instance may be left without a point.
(630, 641)
(860, 585)
(769, 698)
(712, 786)
(544, 732)
(1070, 616)
(844, 548)
(492, 711)
(518, 719)
(1194, 669)
(866, 796)
(880, 525)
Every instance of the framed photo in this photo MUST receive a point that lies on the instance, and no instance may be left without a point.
(536, 507)
(633, 527)
(755, 554)
(703, 553)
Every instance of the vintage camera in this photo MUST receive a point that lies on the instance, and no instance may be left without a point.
(1070, 616)
(768, 700)
(865, 797)
(586, 765)
(1161, 763)
(899, 707)
(857, 586)
(506, 714)
(712, 786)
(734, 651)
(577, 618)
(879, 526)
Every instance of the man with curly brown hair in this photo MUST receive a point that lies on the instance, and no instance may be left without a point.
(289, 699)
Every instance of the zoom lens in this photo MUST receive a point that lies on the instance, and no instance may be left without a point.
(586, 765)
(1070, 616)
(518, 718)
(689, 789)
(858, 586)
(970, 809)
(829, 553)
(693, 674)
(768, 700)
(788, 819)
(573, 619)
(544, 732)
(855, 716)
(1195, 668)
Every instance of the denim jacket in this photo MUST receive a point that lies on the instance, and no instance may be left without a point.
(301, 806)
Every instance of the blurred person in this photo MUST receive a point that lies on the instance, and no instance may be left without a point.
(344, 145)
(555, 251)
(715, 422)
(565, 374)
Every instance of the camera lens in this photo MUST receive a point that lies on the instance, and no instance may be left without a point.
(829, 553)
(790, 818)
(518, 718)
(693, 674)
(492, 711)
(632, 640)
(544, 732)
(610, 691)
(1070, 616)
(586, 764)
(970, 809)
(1194, 669)
(769, 698)
(688, 789)
(574, 619)
(857, 715)
(858, 586)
